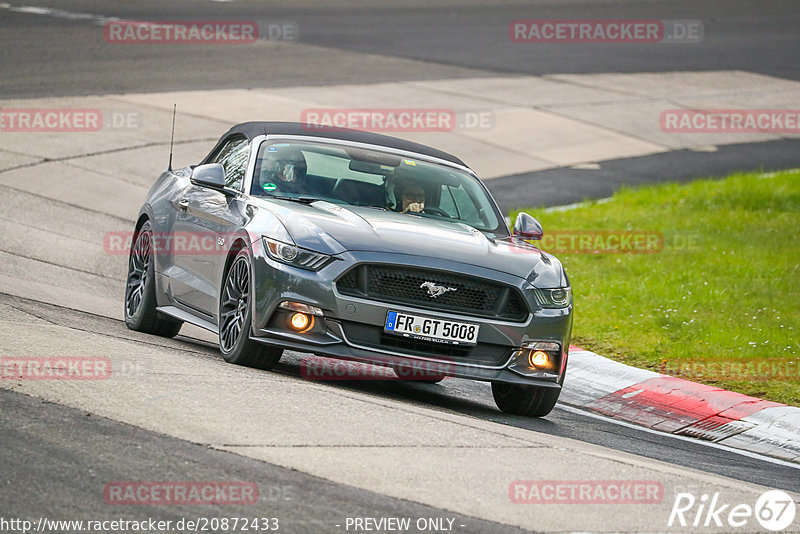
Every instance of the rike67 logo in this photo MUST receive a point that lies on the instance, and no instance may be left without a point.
(774, 510)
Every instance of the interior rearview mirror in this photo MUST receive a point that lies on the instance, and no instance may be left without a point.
(527, 227)
(369, 167)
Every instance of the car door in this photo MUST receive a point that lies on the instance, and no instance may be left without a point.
(206, 219)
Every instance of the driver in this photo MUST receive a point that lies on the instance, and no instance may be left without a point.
(285, 172)
(410, 196)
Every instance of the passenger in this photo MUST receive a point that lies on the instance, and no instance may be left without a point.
(285, 173)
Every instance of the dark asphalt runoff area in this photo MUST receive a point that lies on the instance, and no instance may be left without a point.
(566, 185)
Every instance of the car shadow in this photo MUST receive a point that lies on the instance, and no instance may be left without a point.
(461, 396)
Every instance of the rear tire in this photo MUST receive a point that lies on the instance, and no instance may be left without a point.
(532, 401)
(235, 316)
(140, 289)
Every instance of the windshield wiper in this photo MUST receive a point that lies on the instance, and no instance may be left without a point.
(301, 199)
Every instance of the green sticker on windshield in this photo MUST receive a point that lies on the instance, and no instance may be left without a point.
(269, 187)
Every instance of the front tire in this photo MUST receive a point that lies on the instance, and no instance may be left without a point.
(235, 316)
(532, 401)
(432, 380)
(140, 289)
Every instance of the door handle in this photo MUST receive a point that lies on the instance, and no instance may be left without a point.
(183, 203)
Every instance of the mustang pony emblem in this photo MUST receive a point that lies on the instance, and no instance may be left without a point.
(436, 291)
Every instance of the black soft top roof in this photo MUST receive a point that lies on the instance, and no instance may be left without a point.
(254, 129)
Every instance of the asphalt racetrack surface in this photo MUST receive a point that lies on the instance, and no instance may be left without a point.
(354, 42)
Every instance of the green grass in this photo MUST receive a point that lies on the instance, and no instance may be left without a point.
(724, 291)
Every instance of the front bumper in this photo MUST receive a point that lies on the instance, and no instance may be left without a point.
(352, 327)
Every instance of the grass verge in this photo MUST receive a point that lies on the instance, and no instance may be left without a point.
(709, 291)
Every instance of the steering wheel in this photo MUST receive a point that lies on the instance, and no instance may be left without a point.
(436, 211)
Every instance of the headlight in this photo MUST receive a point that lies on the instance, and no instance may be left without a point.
(291, 254)
(553, 298)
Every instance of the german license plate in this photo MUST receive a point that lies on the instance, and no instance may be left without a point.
(430, 329)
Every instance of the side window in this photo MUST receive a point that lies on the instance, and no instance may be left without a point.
(233, 157)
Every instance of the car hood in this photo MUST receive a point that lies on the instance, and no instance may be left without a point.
(335, 229)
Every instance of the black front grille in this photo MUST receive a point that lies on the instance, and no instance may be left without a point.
(406, 285)
(375, 337)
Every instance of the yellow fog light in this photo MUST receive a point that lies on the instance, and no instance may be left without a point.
(301, 322)
(538, 358)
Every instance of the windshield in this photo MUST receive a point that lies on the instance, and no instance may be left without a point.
(360, 177)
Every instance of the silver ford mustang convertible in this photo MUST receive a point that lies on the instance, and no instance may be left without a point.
(351, 245)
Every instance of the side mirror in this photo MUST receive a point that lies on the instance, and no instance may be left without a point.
(527, 227)
(209, 175)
